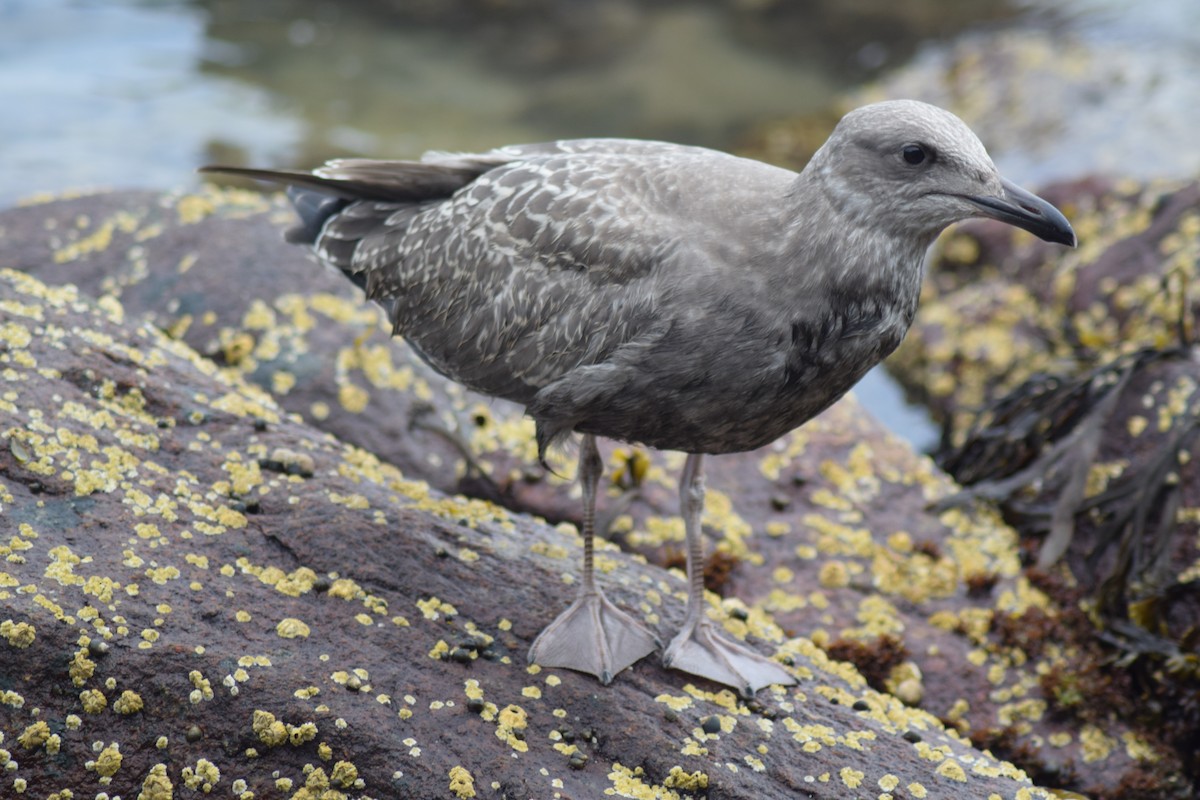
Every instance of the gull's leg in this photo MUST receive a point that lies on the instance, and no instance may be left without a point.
(592, 635)
(699, 648)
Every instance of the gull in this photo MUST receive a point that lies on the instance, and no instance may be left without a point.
(660, 294)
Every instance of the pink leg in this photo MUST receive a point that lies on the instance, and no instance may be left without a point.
(592, 635)
(699, 648)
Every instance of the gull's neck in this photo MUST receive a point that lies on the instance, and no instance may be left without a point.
(839, 232)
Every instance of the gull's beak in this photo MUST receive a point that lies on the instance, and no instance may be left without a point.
(1026, 211)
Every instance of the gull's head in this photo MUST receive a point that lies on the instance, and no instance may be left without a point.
(912, 169)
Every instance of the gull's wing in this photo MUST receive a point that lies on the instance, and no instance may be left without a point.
(550, 269)
(554, 259)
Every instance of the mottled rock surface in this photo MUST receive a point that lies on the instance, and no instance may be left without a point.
(1004, 320)
(824, 533)
(1106, 491)
(226, 285)
(1049, 105)
(1085, 363)
(201, 593)
(999, 307)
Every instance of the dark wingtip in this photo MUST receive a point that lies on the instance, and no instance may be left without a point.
(257, 174)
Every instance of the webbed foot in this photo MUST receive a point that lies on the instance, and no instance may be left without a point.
(593, 636)
(702, 650)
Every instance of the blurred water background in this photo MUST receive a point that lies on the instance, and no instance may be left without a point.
(137, 93)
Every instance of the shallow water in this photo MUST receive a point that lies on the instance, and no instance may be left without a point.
(138, 94)
(127, 93)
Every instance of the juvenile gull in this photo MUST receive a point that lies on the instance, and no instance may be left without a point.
(656, 293)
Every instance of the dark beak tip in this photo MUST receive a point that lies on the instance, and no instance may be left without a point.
(1065, 236)
(1025, 210)
(1061, 232)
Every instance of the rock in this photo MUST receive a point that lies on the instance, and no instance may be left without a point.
(853, 557)
(1038, 99)
(861, 559)
(297, 330)
(1069, 390)
(999, 308)
(304, 649)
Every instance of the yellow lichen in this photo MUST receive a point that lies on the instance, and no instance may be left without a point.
(93, 701)
(109, 761)
(674, 702)
(34, 736)
(19, 634)
(952, 770)
(292, 628)
(203, 690)
(853, 778)
(81, 667)
(510, 720)
(344, 773)
(204, 776)
(353, 398)
(434, 608)
(304, 732)
(157, 786)
(834, 575)
(462, 784)
(269, 730)
(628, 782)
(1096, 744)
(130, 702)
(689, 781)
(345, 589)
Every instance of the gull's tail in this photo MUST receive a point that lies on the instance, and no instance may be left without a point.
(346, 200)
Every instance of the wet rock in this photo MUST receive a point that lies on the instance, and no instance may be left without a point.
(227, 670)
(861, 557)
(853, 553)
(1056, 105)
(1051, 105)
(291, 327)
(1000, 308)
(1068, 385)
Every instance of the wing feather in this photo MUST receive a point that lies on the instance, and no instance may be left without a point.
(536, 268)
(513, 269)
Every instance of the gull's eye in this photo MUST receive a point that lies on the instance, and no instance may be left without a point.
(915, 154)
